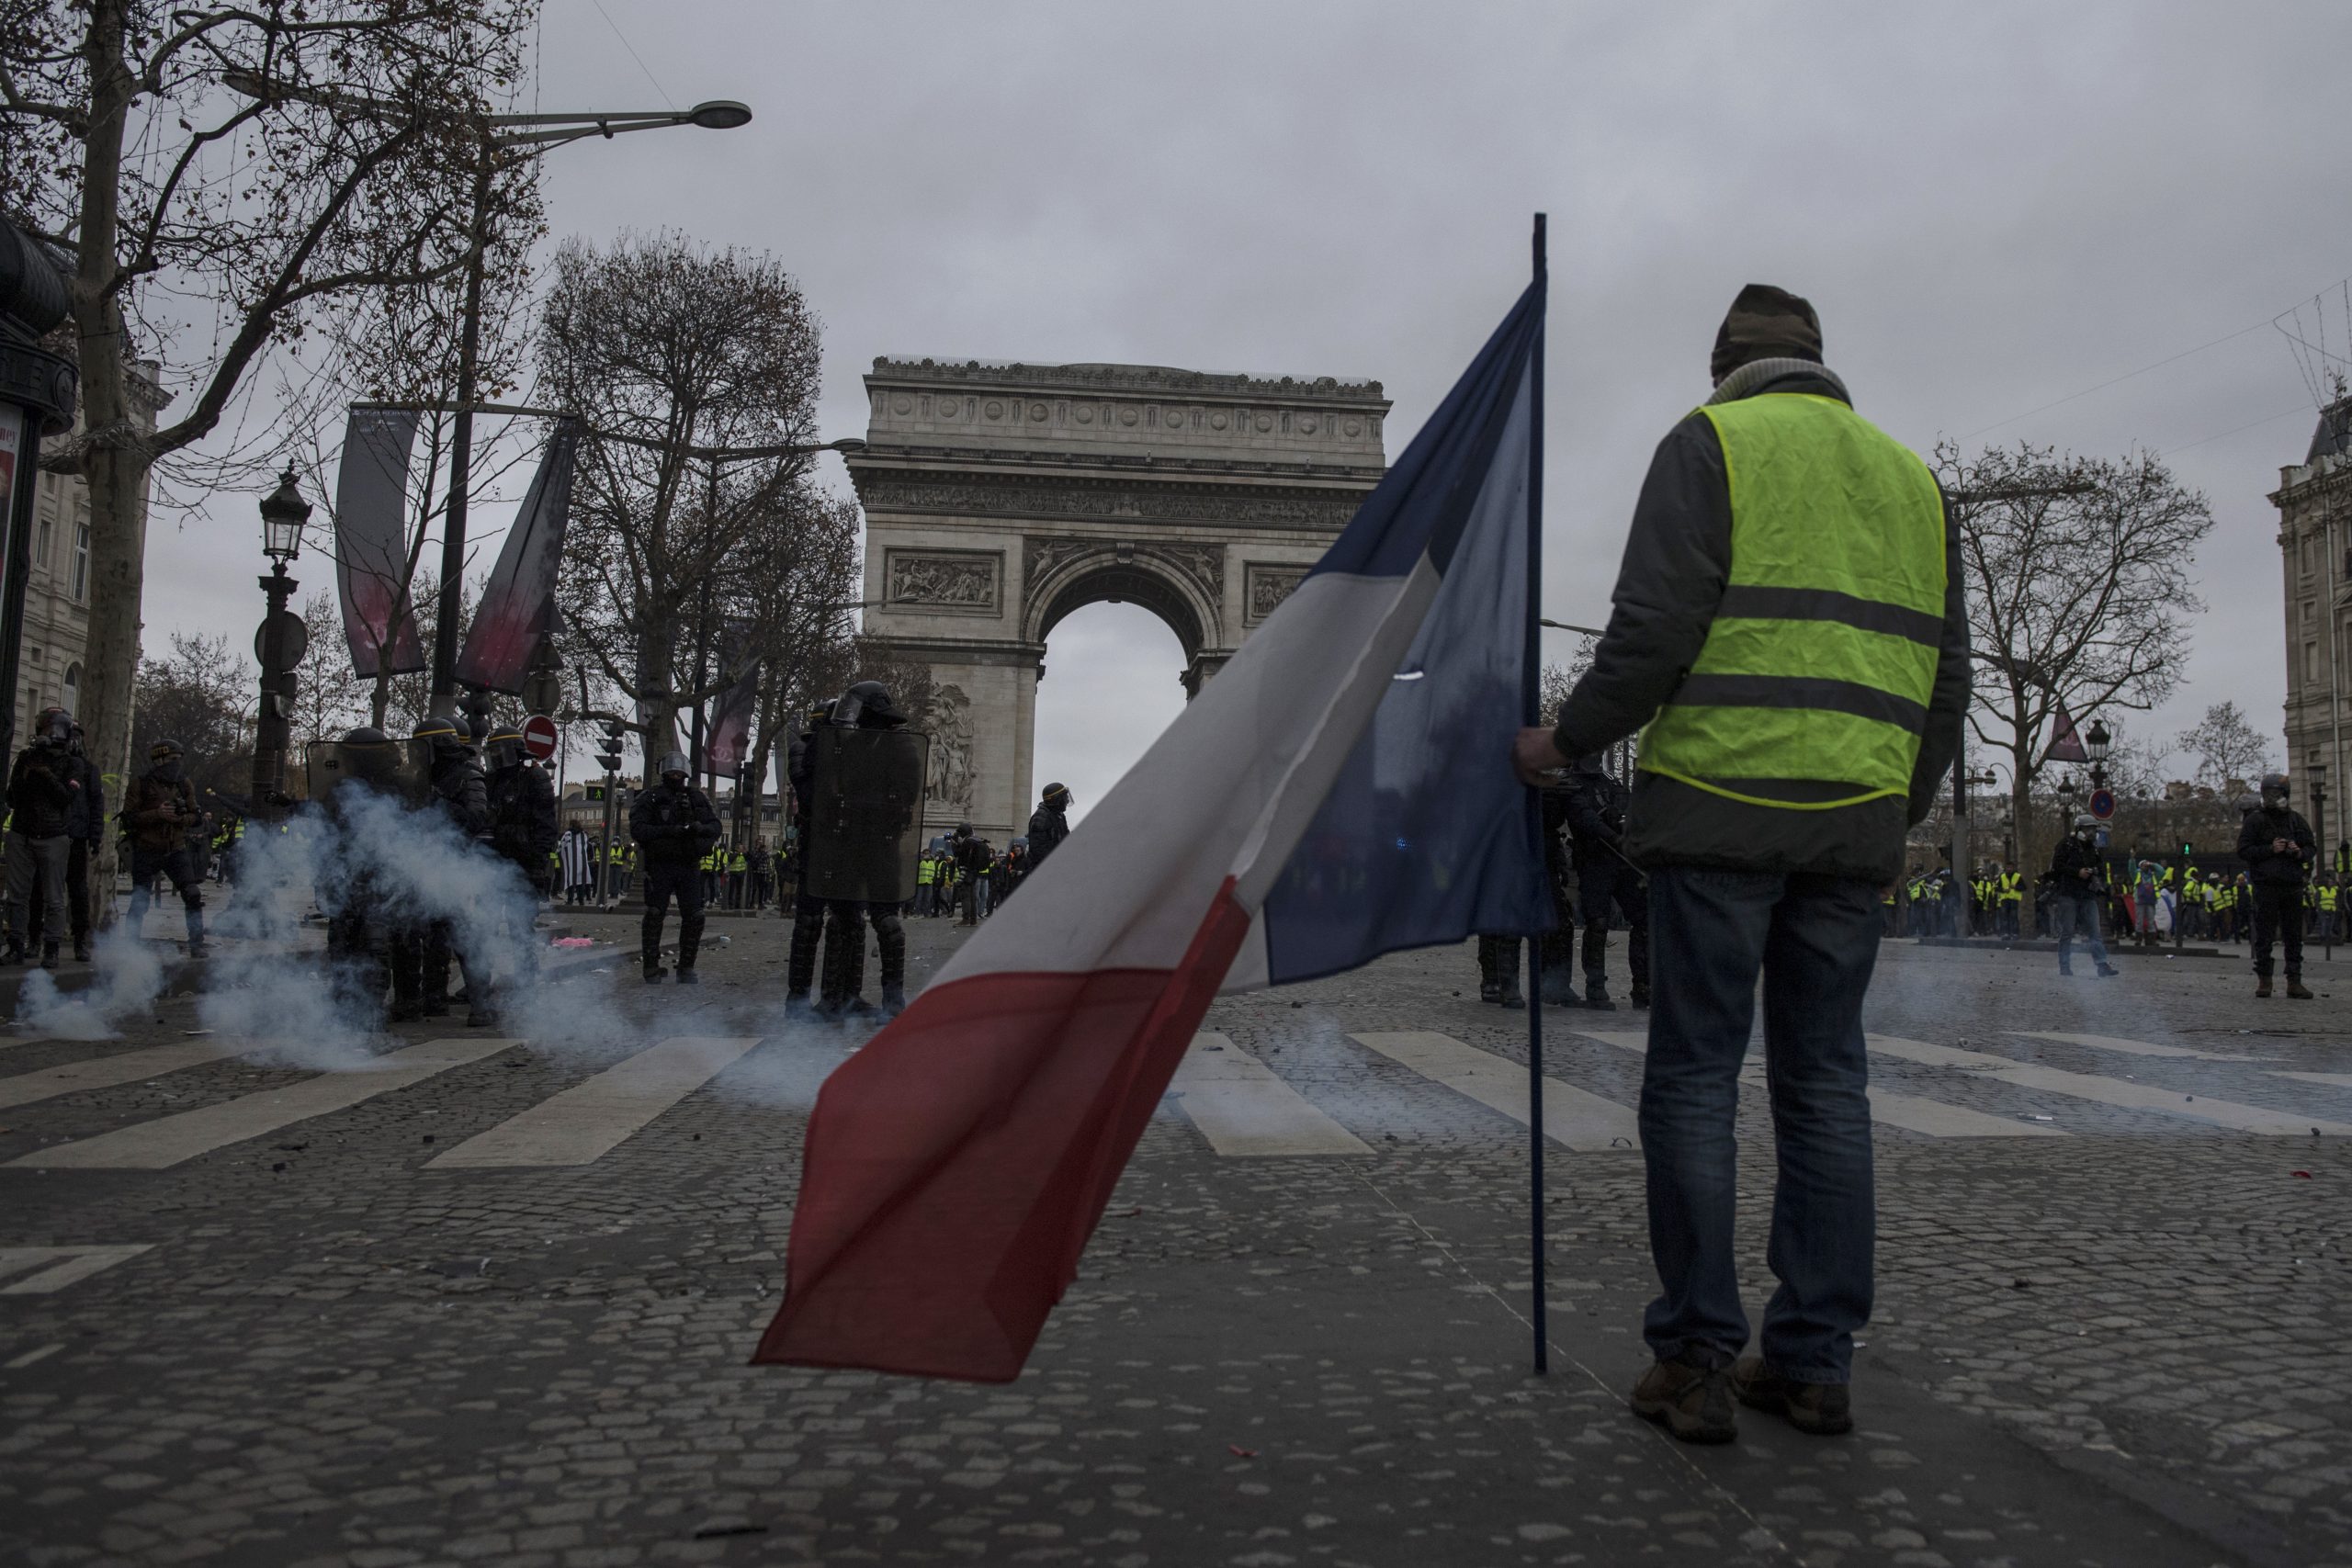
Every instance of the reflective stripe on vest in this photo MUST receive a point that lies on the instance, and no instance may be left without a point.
(1823, 654)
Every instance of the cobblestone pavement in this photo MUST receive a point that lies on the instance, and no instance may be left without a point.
(260, 1304)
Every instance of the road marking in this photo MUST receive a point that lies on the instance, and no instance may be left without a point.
(1571, 1116)
(66, 1264)
(2111, 1091)
(592, 1118)
(124, 1066)
(2333, 1081)
(2128, 1047)
(153, 1146)
(1932, 1118)
(18, 1364)
(1243, 1108)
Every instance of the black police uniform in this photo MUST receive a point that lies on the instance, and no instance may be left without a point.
(1607, 882)
(462, 795)
(674, 824)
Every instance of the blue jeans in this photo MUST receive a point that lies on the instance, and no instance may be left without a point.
(1813, 939)
(2072, 917)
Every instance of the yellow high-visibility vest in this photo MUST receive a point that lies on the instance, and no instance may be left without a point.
(1822, 653)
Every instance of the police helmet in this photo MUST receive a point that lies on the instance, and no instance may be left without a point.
(867, 705)
(673, 762)
(2084, 819)
(2274, 789)
(53, 727)
(505, 747)
(1056, 789)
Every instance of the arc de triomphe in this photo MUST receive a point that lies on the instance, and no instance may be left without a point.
(1000, 498)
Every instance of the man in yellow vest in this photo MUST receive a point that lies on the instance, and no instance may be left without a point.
(1788, 624)
(2009, 888)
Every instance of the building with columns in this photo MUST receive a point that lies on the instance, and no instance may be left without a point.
(2315, 503)
(57, 593)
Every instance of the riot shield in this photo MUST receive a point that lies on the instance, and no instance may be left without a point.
(400, 769)
(865, 798)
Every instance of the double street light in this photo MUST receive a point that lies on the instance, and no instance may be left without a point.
(494, 134)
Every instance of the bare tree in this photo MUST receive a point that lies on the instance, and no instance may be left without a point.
(2077, 573)
(2225, 746)
(670, 353)
(202, 696)
(260, 213)
(328, 698)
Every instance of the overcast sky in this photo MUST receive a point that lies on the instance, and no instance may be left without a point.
(1993, 207)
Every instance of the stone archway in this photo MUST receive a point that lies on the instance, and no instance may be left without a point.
(999, 499)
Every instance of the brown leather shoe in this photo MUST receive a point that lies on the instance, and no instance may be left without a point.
(1693, 1404)
(2295, 988)
(1818, 1409)
(2262, 984)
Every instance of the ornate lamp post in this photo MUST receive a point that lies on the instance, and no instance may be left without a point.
(278, 645)
(2097, 743)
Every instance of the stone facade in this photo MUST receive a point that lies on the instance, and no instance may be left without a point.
(57, 595)
(1000, 498)
(2315, 503)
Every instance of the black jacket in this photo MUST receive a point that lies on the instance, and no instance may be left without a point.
(40, 793)
(1047, 828)
(2073, 856)
(458, 787)
(2267, 866)
(523, 826)
(1595, 809)
(1677, 562)
(85, 815)
(672, 825)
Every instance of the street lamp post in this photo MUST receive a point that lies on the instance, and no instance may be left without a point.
(495, 134)
(278, 645)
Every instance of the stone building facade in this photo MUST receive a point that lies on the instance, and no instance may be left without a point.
(2315, 503)
(1000, 498)
(57, 595)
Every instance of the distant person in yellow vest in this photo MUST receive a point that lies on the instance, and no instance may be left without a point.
(1788, 624)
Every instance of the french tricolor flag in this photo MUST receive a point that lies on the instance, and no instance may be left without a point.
(1341, 789)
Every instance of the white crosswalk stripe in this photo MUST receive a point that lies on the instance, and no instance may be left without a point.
(1931, 1118)
(168, 1141)
(1572, 1117)
(2111, 1091)
(1243, 1108)
(591, 1119)
(2333, 1081)
(122, 1067)
(2128, 1047)
(58, 1267)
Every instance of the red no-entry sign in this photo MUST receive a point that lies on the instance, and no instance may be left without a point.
(539, 737)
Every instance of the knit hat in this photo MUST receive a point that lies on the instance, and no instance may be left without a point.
(1766, 323)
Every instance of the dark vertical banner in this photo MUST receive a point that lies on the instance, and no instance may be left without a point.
(730, 725)
(371, 542)
(515, 613)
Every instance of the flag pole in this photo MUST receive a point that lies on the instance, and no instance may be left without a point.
(1533, 683)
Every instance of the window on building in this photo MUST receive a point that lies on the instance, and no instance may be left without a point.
(72, 688)
(81, 561)
(2310, 663)
(40, 542)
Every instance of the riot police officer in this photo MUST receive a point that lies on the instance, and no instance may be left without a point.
(461, 794)
(162, 814)
(1049, 825)
(674, 824)
(808, 910)
(1606, 880)
(523, 827)
(365, 949)
(866, 705)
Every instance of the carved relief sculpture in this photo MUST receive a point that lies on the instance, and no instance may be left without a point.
(951, 582)
(1269, 586)
(949, 721)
